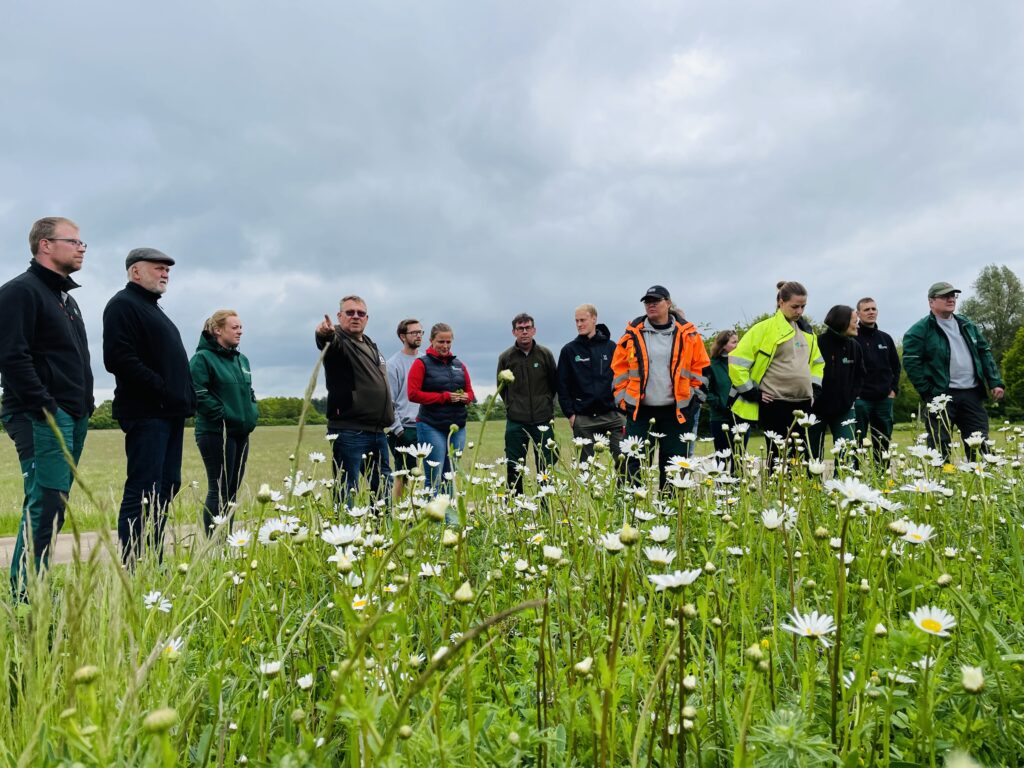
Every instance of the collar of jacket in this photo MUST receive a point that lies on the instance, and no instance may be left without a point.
(447, 359)
(681, 324)
(209, 342)
(143, 292)
(52, 280)
(802, 324)
(601, 333)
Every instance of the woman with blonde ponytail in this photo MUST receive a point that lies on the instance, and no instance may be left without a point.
(226, 411)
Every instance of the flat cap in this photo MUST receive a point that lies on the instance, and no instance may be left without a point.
(135, 255)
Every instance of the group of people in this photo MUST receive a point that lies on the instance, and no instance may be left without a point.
(47, 382)
(650, 384)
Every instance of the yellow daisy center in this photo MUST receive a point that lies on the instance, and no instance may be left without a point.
(916, 536)
(931, 625)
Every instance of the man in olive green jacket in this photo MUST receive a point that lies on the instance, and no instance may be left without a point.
(945, 354)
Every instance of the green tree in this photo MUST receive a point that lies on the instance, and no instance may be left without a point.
(1013, 371)
(997, 306)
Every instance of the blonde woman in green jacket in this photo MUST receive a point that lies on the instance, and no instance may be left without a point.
(226, 411)
(776, 368)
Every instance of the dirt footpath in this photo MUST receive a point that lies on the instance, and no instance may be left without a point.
(62, 551)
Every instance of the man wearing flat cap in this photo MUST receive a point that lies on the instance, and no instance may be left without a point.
(946, 354)
(153, 396)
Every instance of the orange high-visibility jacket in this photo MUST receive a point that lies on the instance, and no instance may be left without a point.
(630, 366)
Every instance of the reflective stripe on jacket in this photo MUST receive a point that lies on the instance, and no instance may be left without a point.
(755, 352)
(687, 364)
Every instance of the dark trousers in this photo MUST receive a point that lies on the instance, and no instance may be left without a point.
(153, 449)
(46, 480)
(224, 457)
(608, 424)
(721, 432)
(876, 416)
(517, 439)
(355, 452)
(966, 411)
(669, 443)
(841, 428)
(777, 416)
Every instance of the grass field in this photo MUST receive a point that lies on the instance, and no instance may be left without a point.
(103, 466)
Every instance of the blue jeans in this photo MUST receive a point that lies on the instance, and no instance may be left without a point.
(439, 454)
(355, 451)
(153, 448)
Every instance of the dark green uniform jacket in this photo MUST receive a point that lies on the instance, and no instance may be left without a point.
(223, 383)
(719, 388)
(530, 399)
(926, 356)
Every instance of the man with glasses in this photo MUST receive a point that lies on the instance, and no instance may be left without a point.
(153, 395)
(659, 370)
(45, 372)
(873, 407)
(359, 406)
(403, 430)
(529, 401)
(946, 354)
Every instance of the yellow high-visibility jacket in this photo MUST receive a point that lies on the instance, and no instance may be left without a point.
(630, 366)
(755, 352)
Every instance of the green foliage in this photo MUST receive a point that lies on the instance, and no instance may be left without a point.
(103, 417)
(279, 411)
(1013, 371)
(997, 307)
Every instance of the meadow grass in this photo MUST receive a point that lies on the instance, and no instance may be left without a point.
(777, 619)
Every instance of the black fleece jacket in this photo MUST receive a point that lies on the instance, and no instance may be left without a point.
(844, 375)
(881, 363)
(585, 374)
(143, 349)
(44, 354)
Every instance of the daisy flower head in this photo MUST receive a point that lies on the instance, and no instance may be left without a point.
(611, 542)
(156, 600)
(340, 535)
(660, 555)
(933, 620)
(773, 519)
(674, 581)
(813, 625)
(918, 534)
(660, 533)
(240, 538)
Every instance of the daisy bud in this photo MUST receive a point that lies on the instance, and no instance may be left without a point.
(85, 675)
(821, 532)
(689, 712)
(973, 679)
(690, 610)
(344, 565)
(944, 580)
(754, 652)
(405, 732)
(687, 725)
(182, 567)
(298, 716)
(449, 538)
(864, 586)
(513, 737)
(629, 535)
(880, 630)
(583, 667)
(160, 720)
(437, 507)
(264, 495)
(709, 567)
(763, 666)
(690, 683)
(506, 377)
(464, 594)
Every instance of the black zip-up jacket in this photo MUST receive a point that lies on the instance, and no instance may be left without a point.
(143, 349)
(44, 354)
(844, 375)
(881, 363)
(358, 396)
(530, 399)
(585, 374)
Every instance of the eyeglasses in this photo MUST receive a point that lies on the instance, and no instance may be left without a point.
(354, 313)
(413, 333)
(521, 328)
(948, 297)
(73, 241)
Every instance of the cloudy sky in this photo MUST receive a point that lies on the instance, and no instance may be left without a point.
(465, 161)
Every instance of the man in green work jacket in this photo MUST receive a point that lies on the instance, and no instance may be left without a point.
(946, 354)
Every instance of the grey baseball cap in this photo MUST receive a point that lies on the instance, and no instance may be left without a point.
(135, 255)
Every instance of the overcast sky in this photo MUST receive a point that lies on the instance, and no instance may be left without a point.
(465, 161)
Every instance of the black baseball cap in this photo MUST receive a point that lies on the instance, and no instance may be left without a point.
(656, 292)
